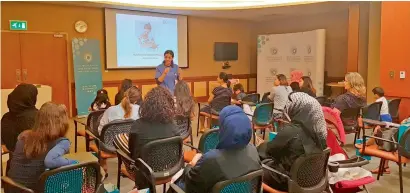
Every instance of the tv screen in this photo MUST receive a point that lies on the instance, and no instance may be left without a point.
(225, 51)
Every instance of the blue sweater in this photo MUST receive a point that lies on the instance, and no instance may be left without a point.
(27, 170)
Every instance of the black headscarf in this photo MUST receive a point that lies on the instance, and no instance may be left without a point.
(22, 111)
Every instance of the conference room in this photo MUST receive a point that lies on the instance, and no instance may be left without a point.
(138, 96)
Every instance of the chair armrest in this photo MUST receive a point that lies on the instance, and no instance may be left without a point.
(249, 114)
(88, 132)
(176, 188)
(275, 171)
(268, 189)
(191, 146)
(11, 182)
(378, 138)
(124, 155)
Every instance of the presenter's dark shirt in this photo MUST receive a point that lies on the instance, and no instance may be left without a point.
(171, 78)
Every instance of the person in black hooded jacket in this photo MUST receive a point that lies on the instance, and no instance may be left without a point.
(22, 111)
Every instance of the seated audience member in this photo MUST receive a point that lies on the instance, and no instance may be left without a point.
(305, 133)
(232, 158)
(156, 121)
(384, 111)
(22, 111)
(125, 85)
(127, 109)
(296, 76)
(101, 101)
(306, 86)
(239, 93)
(295, 86)
(42, 147)
(217, 98)
(279, 94)
(185, 105)
(353, 98)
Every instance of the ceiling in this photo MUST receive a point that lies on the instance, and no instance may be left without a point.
(249, 14)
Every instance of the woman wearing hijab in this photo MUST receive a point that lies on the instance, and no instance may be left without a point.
(232, 158)
(305, 134)
(22, 111)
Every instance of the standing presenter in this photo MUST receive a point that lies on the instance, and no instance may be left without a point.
(167, 74)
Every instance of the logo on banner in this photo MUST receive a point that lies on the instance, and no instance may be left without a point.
(88, 57)
(273, 72)
(273, 51)
(309, 49)
(293, 50)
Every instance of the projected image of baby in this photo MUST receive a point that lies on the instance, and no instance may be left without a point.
(146, 40)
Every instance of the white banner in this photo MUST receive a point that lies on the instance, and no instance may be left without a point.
(283, 53)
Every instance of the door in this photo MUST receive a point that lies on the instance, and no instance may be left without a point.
(10, 60)
(44, 61)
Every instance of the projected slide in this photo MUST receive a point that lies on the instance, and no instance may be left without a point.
(142, 40)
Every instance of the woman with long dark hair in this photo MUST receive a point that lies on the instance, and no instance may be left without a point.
(218, 99)
(125, 85)
(168, 73)
(306, 86)
(185, 105)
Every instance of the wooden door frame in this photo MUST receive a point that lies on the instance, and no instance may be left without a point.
(70, 102)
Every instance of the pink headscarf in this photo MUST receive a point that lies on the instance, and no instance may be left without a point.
(296, 76)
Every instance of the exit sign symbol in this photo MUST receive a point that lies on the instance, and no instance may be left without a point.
(18, 25)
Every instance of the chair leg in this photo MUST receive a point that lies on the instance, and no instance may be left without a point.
(87, 142)
(382, 171)
(210, 122)
(264, 133)
(400, 174)
(254, 135)
(380, 168)
(75, 136)
(197, 125)
(192, 139)
(119, 172)
(164, 188)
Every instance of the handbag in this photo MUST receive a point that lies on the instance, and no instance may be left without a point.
(389, 134)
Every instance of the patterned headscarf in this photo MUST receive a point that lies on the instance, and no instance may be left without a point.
(305, 110)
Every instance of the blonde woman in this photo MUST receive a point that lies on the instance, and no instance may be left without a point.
(355, 95)
(127, 109)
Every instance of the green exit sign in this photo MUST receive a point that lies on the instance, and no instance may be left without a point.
(18, 25)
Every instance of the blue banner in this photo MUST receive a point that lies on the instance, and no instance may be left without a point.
(87, 72)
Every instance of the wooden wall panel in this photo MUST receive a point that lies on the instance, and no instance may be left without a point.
(200, 89)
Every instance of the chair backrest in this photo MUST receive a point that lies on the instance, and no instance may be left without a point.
(265, 98)
(110, 130)
(263, 114)
(209, 140)
(93, 121)
(394, 108)
(372, 111)
(322, 100)
(350, 116)
(405, 144)
(83, 177)
(309, 173)
(148, 174)
(254, 97)
(184, 126)
(249, 183)
(164, 156)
